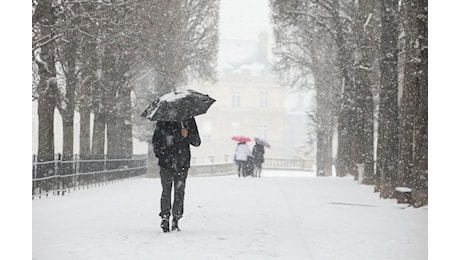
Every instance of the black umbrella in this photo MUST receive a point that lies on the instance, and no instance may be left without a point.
(262, 142)
(178, 106)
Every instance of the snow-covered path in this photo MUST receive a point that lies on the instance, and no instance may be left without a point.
(291, 217)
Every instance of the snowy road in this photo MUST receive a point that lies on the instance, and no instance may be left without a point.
(290, 217)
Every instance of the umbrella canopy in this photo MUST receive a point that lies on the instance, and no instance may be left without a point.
(241, 138)
(178, 106)
(262, 142)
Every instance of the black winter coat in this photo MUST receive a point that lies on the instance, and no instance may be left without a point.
(258, 152)
(171, 149)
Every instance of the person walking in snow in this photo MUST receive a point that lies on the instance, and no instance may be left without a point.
(241, 155)
(258, 152)
(171, 145)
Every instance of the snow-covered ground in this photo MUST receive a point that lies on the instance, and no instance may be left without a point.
(283, 215)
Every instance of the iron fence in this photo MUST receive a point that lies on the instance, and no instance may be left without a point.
(289, 164)
(60, 176)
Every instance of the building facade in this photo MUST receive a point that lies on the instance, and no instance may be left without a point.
(250, 101)
(247, 105)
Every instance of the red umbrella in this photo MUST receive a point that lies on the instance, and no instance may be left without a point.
(262, 142)
(241, 139)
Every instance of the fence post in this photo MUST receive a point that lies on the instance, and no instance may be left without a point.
(75, 171)
(58, 171)
(105, 162)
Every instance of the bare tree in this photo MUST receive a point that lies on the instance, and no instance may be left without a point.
(88, 74)
(364, 25)
(348, 29)
(387, 149)
(43, 21)
(413, 167)
(68, 22)
(304, 47)
(334, 21)
(180, 42)
(354, 28)
(327, 94)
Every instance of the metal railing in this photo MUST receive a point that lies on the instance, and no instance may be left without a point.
(215, 169)
(289, 164)
(60, 176)
(231, 168)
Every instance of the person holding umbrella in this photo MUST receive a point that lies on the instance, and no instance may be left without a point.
(175, 131)
(258, 152)
(241, 156)
(171, 144)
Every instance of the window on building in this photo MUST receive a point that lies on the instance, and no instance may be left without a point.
(263, 99)
(236, 99)
(235, 128)
(263, 131)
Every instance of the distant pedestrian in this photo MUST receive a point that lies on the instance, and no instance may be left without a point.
(242, 152)
(258, 152)
(171, 144)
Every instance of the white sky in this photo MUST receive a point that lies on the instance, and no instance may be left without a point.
(244, 19)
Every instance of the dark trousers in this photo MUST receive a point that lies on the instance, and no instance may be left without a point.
(168, 178)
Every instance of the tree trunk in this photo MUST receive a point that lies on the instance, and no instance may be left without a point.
(100, 98)
(68, 112)
(47, 88)
(126, 131)
(67, 146)
(324, 153)
(324, 123)
(119, 128)
(46, 106)
(364, 134)
(346, 153)
(85, 129)
(89, 82)
(420, 188)
(387, 153)
(410, 98)
(113, 135)
(114, 140)
(85, 132)
(321, 152)
(68, 130)
(98, 140)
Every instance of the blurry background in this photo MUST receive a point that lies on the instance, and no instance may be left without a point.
(250, 99)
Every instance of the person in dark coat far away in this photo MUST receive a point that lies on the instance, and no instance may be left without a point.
(258, 152)
(171, 145)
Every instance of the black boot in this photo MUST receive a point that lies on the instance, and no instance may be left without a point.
(165, 224)
(175, 224)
